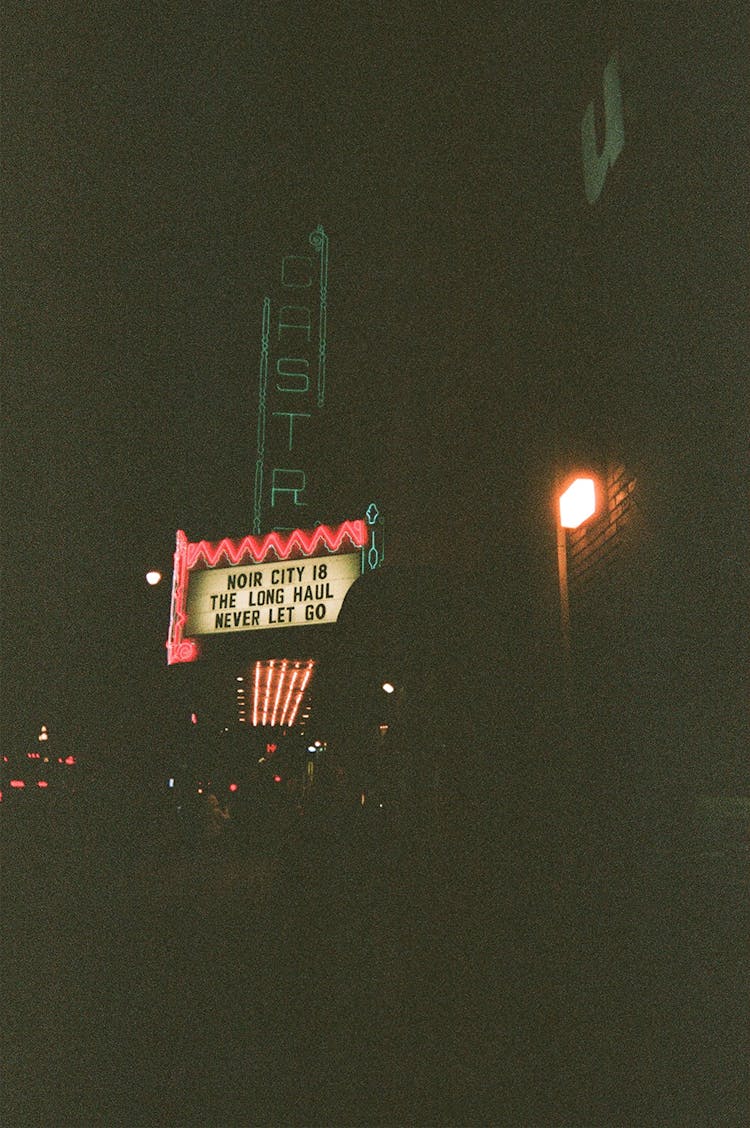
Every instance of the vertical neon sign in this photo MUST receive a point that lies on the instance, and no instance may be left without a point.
(291, 390)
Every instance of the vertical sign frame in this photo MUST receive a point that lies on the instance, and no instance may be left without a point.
(291, 389)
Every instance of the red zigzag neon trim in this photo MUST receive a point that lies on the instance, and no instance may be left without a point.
(257, 549)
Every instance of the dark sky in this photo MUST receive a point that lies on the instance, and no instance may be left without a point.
(157, 165)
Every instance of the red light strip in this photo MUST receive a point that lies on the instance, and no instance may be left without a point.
(280, 682)
(293, 714)
(268, 692)
(293, 679)
(255, 693)
(253, 549)
(180, 649)
(300, 694)
(278, 690)
(256, 550)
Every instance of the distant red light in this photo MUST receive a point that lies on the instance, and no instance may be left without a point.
(194, 718)
(42, 783)
(232, 786)
(17, 783)
(70, 759)
(277, 779)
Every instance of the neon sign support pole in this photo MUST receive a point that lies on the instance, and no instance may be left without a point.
(262, 395)
(180, 649)
(319, 240)
(562, 572)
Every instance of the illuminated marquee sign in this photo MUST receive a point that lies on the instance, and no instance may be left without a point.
(260, 596)
(291, 389)
(261, 583)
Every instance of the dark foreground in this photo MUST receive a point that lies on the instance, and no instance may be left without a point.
(347, 976)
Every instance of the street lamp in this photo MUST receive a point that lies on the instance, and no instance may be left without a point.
(577, 503)
(153, 578)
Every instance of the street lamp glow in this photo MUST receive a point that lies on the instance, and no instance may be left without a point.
(388, 688)
(153, 578)
(578, 503)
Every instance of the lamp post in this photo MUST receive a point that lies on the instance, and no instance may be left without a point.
(576, 504)
(396, 765)
(155, 703)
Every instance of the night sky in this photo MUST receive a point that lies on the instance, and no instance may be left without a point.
(157, 167)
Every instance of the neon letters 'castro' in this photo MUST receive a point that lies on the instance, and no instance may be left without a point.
(261, 583)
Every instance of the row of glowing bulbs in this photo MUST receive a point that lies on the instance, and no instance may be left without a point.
(278, 689)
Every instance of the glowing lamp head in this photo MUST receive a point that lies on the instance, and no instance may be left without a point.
(153, 578)
(388, 687)
(578, 503)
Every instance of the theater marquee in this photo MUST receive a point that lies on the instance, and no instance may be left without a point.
(261, 583)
